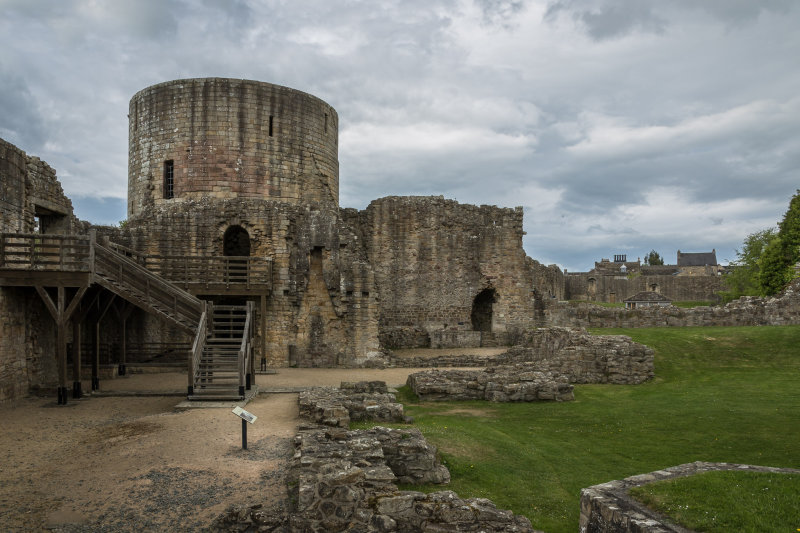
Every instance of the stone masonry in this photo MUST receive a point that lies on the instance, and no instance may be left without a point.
(332, 406)
(515, 383)
(783, 309)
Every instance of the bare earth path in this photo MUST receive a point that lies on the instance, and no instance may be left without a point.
(138, 464)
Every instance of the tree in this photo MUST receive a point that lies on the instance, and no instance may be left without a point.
(743, 277)
(777, 265)
(653, 258)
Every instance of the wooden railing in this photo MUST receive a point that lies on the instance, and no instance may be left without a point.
(246, 350)
(32, 251)
(145, 288)
(217, 270)
(20, 251)
(197, 349)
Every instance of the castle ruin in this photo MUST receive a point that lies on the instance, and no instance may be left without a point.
(233, 212)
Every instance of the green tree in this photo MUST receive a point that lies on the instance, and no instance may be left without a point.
(777, 264)
(653, 258)
(743, 277)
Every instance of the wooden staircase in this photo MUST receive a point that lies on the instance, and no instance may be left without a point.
(138, 285)
(220, 365)
(224, 366)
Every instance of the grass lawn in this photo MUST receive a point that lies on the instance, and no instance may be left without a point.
(703, 502)
(689, 304)
(720, 394)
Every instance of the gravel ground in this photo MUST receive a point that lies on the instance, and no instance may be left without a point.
(135, 463)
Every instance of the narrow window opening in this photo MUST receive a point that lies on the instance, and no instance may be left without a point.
(326, 123)
(169, 179)
(270, 125)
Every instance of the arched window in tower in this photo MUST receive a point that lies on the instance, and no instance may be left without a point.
(482, 310)
(236, 246)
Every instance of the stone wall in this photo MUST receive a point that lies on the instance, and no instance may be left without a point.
(346, 482)
(608, 508)
(432, 258)
(747, 311)
(13, 194)
(231, 138)
(322, 309)
(332, 406)
(584, 358)
(616, 288)
(514, 383)
(29, 189)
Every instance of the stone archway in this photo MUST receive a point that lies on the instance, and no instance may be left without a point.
(482, 310)
(236, 242)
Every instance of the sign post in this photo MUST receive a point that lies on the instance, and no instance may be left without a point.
(247, 418)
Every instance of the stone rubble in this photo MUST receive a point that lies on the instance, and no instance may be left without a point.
(365, 400)
(516, 383)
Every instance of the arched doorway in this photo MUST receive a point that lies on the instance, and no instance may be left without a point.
(236, 243)
(482, 310)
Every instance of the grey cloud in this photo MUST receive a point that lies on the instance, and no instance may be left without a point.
(607, 19)
(21, 123)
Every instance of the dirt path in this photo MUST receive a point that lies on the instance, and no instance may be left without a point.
(138, 464)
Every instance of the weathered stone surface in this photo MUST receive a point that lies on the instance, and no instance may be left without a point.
(515, 383)
(779, 310)
(333, 406)
(608, 508)
(327, 458)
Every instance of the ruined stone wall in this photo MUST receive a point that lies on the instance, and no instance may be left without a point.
(783, 309)
(13, 197)
(432, 257)
(231, 138)
(29, 189)
(322, 309)
(579, 286)
(27, 332)
(548, 281)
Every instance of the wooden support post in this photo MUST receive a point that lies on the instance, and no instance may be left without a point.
(263, 332)
(76, 359)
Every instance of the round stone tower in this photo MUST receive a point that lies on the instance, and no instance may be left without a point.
(229, 138)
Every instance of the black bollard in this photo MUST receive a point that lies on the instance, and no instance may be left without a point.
(247, 382)
(244, 434)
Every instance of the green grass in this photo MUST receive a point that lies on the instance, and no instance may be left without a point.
(601, 304)
(720, 394)
(689, 304)
(764, 502)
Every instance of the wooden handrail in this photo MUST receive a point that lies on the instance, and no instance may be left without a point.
(197, 349)
(41, 251)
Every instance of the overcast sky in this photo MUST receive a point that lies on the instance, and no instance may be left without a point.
(619, 125)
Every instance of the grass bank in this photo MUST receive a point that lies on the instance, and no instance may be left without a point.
(720, 394)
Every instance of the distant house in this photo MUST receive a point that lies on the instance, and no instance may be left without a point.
(647, 299)
(699, 259)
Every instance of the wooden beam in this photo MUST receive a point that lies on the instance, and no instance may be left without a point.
(48, 302)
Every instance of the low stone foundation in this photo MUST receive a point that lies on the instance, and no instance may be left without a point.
(365, 400)
(515, 383)
(608, 508)
(779, 310)
(573, 352)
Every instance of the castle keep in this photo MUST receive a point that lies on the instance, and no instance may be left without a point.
(235, 241)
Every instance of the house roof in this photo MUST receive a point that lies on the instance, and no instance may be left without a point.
(690, 259)
(647, 296)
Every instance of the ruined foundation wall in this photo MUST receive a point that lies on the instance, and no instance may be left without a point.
(322, 307)
(231, 138)
(432, 257)
(27, 332)
(784, 309)
(679, 288)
